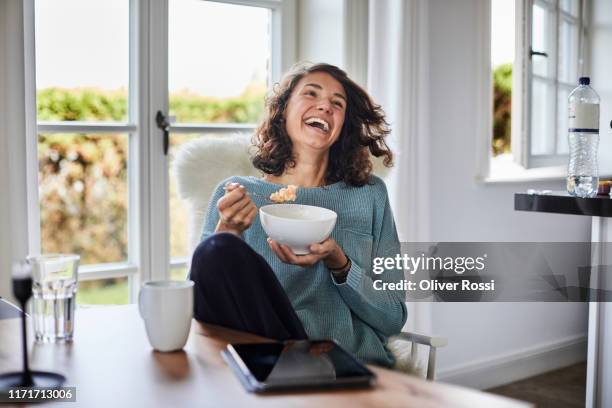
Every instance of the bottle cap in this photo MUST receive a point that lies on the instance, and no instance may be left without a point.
(584, 80)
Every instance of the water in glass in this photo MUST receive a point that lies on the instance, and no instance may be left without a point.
(54, 296)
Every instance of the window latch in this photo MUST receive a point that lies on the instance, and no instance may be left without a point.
(164, 125)
(540, 53)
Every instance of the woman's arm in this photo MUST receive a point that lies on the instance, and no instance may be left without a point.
(385, 310)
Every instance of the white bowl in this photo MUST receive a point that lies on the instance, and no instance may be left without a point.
(297, 225)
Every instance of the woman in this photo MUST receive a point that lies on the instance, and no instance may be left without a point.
(318, 134)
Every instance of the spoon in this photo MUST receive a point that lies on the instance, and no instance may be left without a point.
(263, 197)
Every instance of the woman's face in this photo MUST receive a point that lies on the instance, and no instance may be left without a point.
(315, 112)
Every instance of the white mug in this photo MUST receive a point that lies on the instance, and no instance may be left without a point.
(166, 308)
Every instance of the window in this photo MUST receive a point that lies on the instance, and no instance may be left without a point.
(102, 74)
(553, 65)
(84, 132)
(549, 59)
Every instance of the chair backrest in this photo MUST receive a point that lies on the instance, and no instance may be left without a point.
(200, 164)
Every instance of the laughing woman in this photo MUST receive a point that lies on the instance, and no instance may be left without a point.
(319, 133)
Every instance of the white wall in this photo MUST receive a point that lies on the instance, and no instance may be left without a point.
(483, 335)
(325, 27)
(320, 31)
(13, 134)
(5, 247)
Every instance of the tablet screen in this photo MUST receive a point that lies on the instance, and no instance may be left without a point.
(303, 361)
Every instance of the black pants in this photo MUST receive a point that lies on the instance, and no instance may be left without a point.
(236, 288)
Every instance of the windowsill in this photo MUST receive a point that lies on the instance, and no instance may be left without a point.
(503, 169)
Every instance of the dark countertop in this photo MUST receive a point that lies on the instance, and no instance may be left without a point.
(562, 203)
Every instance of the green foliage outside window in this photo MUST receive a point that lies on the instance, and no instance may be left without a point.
(502, 108)
(57, 104)
(248, 108)
(83, 195)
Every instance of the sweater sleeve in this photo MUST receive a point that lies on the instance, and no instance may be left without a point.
(384, 310)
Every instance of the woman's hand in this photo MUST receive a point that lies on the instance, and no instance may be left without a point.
(236, 210)
(328, 251)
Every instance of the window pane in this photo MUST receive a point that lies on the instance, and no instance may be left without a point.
(220, 161)
(542, 118)
(570, 6)
(568, 52)
(217, 74)
(562, 119)
(83, 195)
(103, 292)
(82, 59)
(542, 38)
(178, 274)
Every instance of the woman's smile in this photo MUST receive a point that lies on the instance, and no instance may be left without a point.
(317, 123)
(318, 127)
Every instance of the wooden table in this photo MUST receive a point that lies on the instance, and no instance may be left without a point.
(111, 364)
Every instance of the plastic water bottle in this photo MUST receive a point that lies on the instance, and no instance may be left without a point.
(582, 173)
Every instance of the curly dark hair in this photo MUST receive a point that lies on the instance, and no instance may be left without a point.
(362, 133)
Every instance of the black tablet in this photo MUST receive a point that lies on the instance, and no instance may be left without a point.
(293, 365)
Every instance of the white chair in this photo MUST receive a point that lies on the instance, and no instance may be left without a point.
(199, 165)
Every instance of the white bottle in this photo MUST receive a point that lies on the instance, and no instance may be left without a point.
(583, 133)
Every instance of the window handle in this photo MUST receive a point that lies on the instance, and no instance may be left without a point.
(540, 53)
(164, 125)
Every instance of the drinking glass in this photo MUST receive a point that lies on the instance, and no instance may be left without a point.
(54, 289)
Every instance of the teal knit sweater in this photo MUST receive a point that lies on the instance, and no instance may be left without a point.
(353, 313)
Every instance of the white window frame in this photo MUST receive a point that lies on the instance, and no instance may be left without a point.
(522, 140)
(148, 209)
(18, 160)
(522, 166)
(130, 268)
